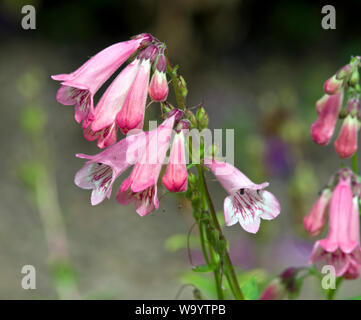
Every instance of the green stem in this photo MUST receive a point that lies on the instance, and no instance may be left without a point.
(172, 71)
(354, 163)
(229, 269)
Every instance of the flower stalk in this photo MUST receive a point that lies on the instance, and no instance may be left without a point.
(207, 220)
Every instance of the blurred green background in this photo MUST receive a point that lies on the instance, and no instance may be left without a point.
(258, 67)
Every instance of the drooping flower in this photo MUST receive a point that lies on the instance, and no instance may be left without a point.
(79, 87)
(247, 202)
(322, 129)
(101, 170)
(158, 88)
(316, 219)
(346, 143)
(341, 248)
(132, 112)
(141, 186)
(176, 176)
(129, 92)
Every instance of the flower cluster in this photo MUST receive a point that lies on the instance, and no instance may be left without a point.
(123, 106)
(329, 109)
(341, 248)
(123, 103)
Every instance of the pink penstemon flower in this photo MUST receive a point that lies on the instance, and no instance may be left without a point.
(132, 113)
(158, 88)
(79, 87)
(176, 176)
(346, 143)
(141, 186)
(247, 202)
(322, 129)
(341, 248)
(316, 219)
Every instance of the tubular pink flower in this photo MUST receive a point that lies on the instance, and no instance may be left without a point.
(316, 219)
(332, 85)
(322, 129)
(102, 169)
(79, 87)
(247, 202)
(176, 176)
(158, 89)
(341, 248)
(346, 143)
(113, 99)
(141, 186)
(132, 112)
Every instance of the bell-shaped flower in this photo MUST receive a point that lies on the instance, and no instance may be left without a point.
(141, 186)
(176, 176)
(79, 87)
(341, 248)
(158, 88)
(316, 219)
(247, 202)
(132, 112)
(322, 129)
(101, 170)
(346, 143)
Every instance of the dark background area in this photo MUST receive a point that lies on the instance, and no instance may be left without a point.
(258, 67)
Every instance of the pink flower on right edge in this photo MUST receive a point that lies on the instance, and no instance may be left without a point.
(341, 248)
(247, 202)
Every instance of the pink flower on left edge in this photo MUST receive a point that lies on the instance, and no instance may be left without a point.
(79, 87)
(341, 248)
(141, 186)
(247, 202)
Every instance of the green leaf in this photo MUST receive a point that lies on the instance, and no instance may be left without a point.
(250, 289)
(205, 268)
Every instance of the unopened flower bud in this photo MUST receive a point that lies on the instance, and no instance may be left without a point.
(158, 88)
(344, 72)
(346, 143)
(332, 85)
(202, 118)
(316, 219)
(322, 129)
(274, 291)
